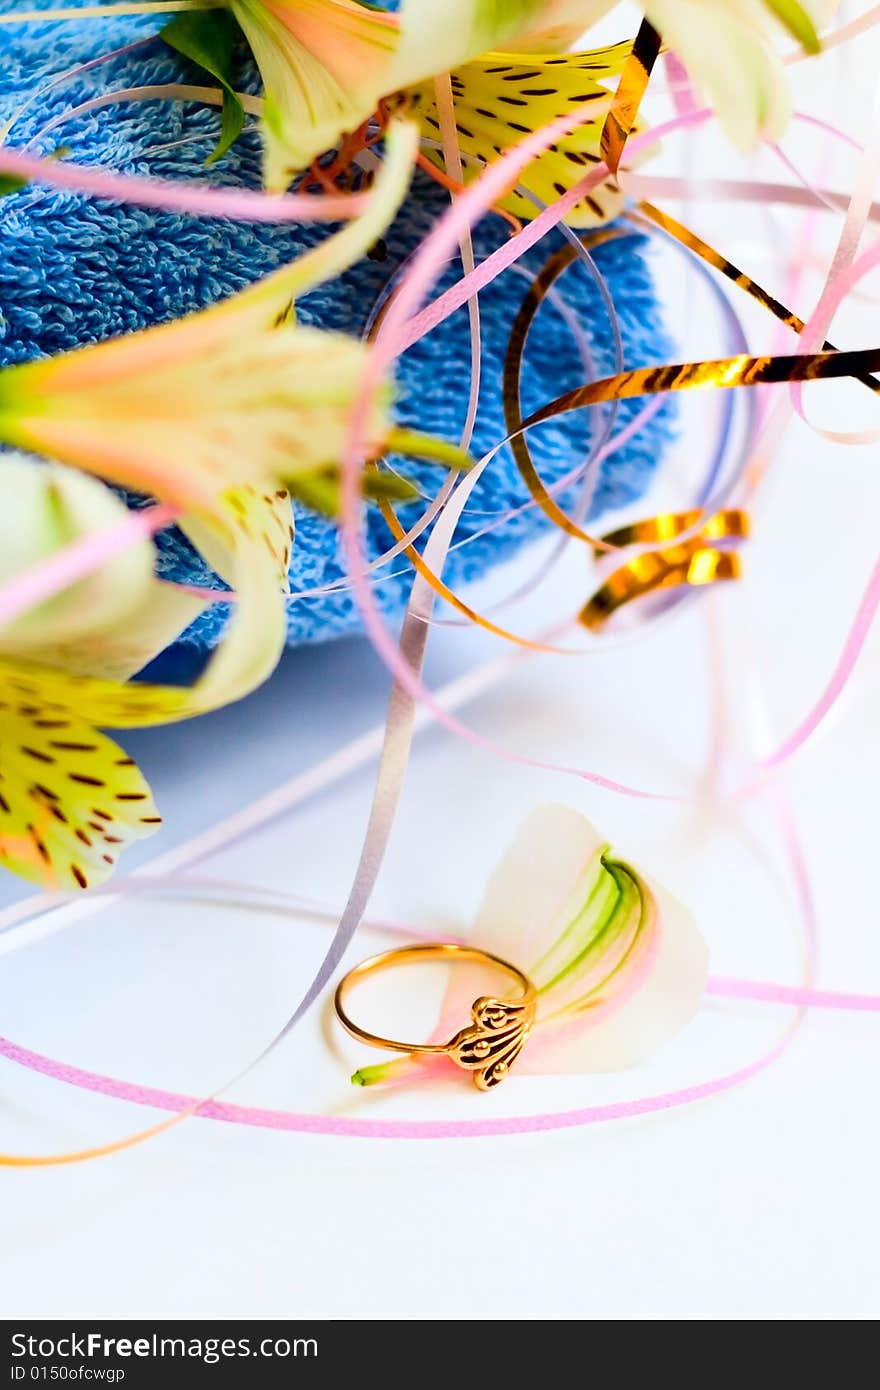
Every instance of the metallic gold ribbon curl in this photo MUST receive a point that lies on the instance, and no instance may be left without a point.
(546, 277)
(443, 591)
(647, 212)
(631, 88)
(691, 564)
(730, 524)
(723, 373)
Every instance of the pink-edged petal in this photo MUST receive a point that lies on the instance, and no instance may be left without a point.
(619, 964)
(663, 995)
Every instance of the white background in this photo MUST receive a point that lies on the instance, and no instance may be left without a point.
(760, 1204)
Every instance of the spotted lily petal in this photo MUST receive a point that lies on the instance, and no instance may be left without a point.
(250, 651)
(500, 97)
(70, 798)
(221, 398)
(249, 546)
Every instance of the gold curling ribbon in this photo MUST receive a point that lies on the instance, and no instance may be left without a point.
(546, 277)
(730, 524)
(443, 590)
(693, 242)
(549, 273)
(691, 564)
(720, 372)
(631, 88)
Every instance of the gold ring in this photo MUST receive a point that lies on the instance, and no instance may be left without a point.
(487, 1047)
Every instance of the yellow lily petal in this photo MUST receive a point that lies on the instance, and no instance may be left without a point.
(501, 97)
(70, 798)
(248, 654)
(269, 519)
(249, 545)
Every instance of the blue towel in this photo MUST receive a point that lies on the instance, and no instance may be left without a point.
(75, 270)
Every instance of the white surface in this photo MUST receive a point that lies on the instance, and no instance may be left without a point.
(761, 1204)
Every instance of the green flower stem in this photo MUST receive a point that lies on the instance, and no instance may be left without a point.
(381, 1072)
(427, 446)
(112, 11)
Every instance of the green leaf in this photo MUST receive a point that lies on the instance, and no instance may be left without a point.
(231, 126)
(208, 38)
(428, 446)
(798, 23)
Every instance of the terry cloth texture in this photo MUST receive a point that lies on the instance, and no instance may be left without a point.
(75, 270)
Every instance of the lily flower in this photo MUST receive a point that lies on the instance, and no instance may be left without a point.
(210, 414)
(70, 798)
(237, 393)
(618, 964)
(328, 65)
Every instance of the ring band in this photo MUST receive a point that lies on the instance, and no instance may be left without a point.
(488, 1046)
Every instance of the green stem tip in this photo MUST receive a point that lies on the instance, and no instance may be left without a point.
(428, 446)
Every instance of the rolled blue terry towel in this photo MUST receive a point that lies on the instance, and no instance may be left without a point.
(76, 270)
